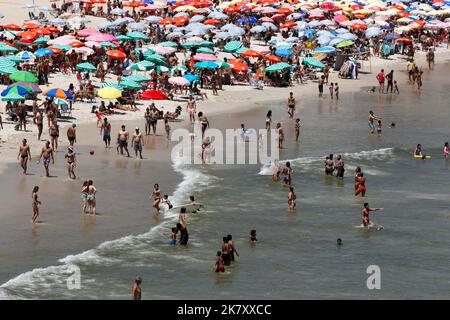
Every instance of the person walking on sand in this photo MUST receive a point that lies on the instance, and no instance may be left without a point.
(156, 196)
(122, 138)
(430, 58)
(72, 134)
(380, 78)
(35, 204)
(54, 134)
(24, 155)
(38, 120)
(291, 105)
(331, 89)
(191, 109)
(148, 120)
(136, 291)
(71, 162)
(154, 115)
(138, 142)
(47, 153)
(105, 130)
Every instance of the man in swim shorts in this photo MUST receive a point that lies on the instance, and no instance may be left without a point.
(47, 153)
(122, 138)
(137, 141)
(105, 129)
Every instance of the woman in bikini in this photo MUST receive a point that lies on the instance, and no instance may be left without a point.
(268, 119)
(91, 201)
(226, 252)
(70, 156)
(191, 108)
(84, 194)
(357, 175)
(361, 181)
(156, 195)
(35, 204)
(203, 122)
(292, 199)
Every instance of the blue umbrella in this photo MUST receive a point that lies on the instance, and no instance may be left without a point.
(191, 77)
(391, 37)
(326, 49)
(43, 52)
(372, 32)
(310, 33)
(20, 90)
(283, 53)
(206, 65)
(252, 20)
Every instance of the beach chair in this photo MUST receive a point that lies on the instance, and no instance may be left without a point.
(256, 83)
(65, 111)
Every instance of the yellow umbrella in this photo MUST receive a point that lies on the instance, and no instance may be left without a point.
(185, 8)
(109, 93)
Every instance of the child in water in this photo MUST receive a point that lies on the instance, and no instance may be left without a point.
(297, 128)
(253, 236)
(336, 90)
(219, 262)
(379, 125)
(446, 150)
(331, 89)
(396, 87)
(173, 237)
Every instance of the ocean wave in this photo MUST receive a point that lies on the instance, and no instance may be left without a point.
(317, 162)
(41, 280)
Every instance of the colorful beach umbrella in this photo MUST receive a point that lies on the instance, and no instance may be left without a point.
(116, 54)
(57, 93)
(26, 55)
(278, 67)
(206, 65)
(232, 46)
(20, 90)
(13, 97)
(24, 76)
(43, 52)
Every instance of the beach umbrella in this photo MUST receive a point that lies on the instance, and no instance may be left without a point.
(161, 69)
(205, 50)
(123, 38)
(43, 52)
(142, 65)
(10, 35)
(326, 49)
(111, 85)
(179, 81)
(100, 37)
(258, 29)
(13, 27)
(153, 95)
(136, 35)
(118, 11)
(26, 55)
(23, 76)
(6, 48)
(62, 47)
(137, 78)
(129, 84)
(156, 58)
(165, 51)
(116, 54)
(57, 93)
(5, 62)
(372, 32)
(313, 62)
(204, 57)
(251, 53)
(206, 65)
(13, 97)
(345, 43)
(32, 86)
(42, 40)
(168, 44)
(109, 93)
(20, 90)
(278, 67)
(59, 101)
(153, 19)
(232, 46)
(238, 65)
(191, 77)
(7, 69)
(283, 52)
(106, 25)
(86, 67)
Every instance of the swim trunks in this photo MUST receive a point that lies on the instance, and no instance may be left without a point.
(46, 162)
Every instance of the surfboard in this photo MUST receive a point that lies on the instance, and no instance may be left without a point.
(422, 157)
(374, 226)
(190, 207)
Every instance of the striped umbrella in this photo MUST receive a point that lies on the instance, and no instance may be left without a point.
(205, 50)
(42, 40)
(5, 48)
(86, 67)
(57, 93)
(232, 46)
(137, 78)
(7, 70)
(160, 69)
(146, 52)
(111, 85)
(26, 55)
(20, 90)
(129, 84)
(5, 62)
(142, 65)
(13, 97)
(156, 58)
(34, 87)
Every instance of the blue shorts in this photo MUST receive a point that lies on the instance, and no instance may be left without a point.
(370, 125)
(173, 242)
(106, 137)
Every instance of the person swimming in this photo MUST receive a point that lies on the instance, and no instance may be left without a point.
(253, 236)
(418, 150)
(446, 150)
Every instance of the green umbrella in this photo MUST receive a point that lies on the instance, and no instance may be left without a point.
(6, 48)
(156, 58)
(9, 33)
(142, 65)
(123, 38)
(146, 52)
(232, 46)
(23, 76)
(111, 84)
(13, 97)
(206, 44)
(42, 40)
(313, 62)
(278, 67)
(129, 84)
(63, 47)
(137, 78)
(20, 90)
(345, 43)
(136, 35)
(205, 50)
(242, 49)
(162, 69)
(86, 67)
(190, 44)
(168, 44)
(223, 65)
(285, 47)
(108, 44)
(13, 58)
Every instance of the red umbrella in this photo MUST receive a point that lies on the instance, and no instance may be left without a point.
(116, 54)
(403, 14)
(179, 21)
(238, 65)
(13, 27)
(153, 95)
(284, 10)
(28, 35)
(327, 5)
(251, 53)
(405, 40)
(273, 58)
(358, 26)
(288, 25)
(166, 21)
(212, 22)
(356, 7)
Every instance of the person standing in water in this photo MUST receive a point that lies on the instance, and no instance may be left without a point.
(138, 142)
(35, 204)
(365, 214)
(287, 172)
(268, 119)
(372, 117)
(24, 155)
(276, 171)
(91, 198)
(156, 195)
(226, 252)
(331, 89)
(253, 236)
(182, 217)
(122, 138)
(340, 167)
(219, 266)
(361, 183)
(336, 91)
(136, 291)
(203, 122)
(72, 135)
(446, 150)
(321, 82)
(357, 175)
(380, 78)
(71, 162)
(280, 135)
(147, 117)
(54, 134)
(297, 129)
(292, 199)
(47, 153)
(329, 165)
(105, 129)
(83, 196)
(232, 247)
(291, 105)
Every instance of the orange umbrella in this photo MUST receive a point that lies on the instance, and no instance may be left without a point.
(179, 21)
(273, 58)
(284, 11)
(238, 65)
(288, 25)
(42, 31)
(52, 29)
(166, 21)
(420, 23)
(212, 22)
(232, 9)
(30, 25)
(251, 53)
(403, 14)
(135, 4)
(13, 27)
(116, 54)
(97, 1)
(55, 50)
(76, 44)
(405, 40)
(361, 26)
(29, 35)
